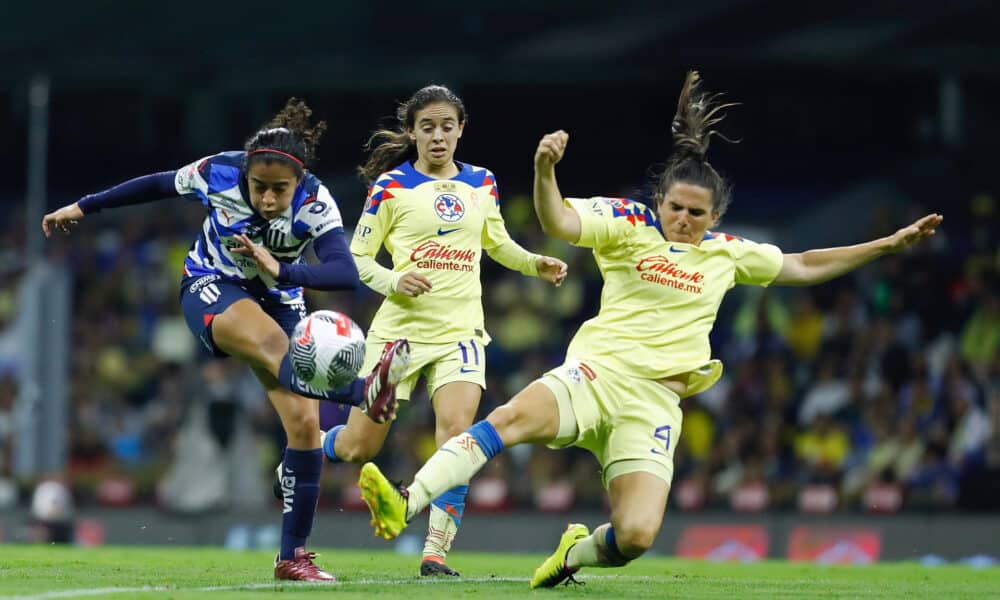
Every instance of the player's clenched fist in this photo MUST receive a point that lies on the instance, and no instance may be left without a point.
(551, 269)
(62, 219)
(550, 149)
(413, 284)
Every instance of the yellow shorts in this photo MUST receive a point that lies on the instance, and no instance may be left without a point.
(439, 363)
(629, 424)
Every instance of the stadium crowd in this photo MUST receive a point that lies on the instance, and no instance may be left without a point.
(879, 391)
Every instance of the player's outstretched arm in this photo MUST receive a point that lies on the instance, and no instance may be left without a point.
(555, 217)
(62, 219)
(140, 190)
(816, 266)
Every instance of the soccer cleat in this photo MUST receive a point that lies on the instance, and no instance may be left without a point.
(276, 488)
(379, 401)
(385, 500)
(431, 567)
(554, 570)
(301, 568)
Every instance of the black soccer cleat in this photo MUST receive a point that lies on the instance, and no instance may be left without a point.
(433, 568)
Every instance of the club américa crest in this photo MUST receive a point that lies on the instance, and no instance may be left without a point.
(449, 207)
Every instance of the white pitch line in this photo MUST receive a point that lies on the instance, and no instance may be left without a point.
(258, 586)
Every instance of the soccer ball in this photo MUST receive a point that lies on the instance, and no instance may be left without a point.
(327, 349)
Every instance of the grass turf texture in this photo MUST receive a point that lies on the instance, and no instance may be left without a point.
(156, 572)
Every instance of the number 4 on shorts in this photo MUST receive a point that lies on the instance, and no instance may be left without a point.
(663, 433)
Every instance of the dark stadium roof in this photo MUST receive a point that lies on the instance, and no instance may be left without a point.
(332, 45)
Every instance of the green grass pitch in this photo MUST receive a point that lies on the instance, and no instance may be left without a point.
(42, 572)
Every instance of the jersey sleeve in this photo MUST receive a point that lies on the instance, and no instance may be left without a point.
(318, 216)
(374, 224)
(756, 264)
(599, 226)
(499, 245)
(192, 179)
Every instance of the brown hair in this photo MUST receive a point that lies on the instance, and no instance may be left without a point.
(389, 147)
(692, 130)
(290, 134)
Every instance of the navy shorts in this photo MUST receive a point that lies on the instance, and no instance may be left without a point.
(204, 297)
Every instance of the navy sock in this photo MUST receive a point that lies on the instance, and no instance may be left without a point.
(352, 393)
(300, 490)
(615, 556)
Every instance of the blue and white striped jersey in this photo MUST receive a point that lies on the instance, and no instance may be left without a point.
(216, 181)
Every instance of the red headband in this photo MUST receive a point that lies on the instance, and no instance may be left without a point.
(285, 154)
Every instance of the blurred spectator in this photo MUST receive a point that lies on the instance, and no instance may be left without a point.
(822, 450)
(806, 328)
(981, 333)
(894, 458)
(51, 514)
(934, 482)
(828, 395)
(920, 397)
(967, 446)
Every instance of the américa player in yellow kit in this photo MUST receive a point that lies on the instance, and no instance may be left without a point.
(435, 216)
(618, 392)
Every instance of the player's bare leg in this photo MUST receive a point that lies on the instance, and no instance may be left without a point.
(638, 500)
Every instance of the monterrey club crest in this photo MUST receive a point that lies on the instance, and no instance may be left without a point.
(449, 207)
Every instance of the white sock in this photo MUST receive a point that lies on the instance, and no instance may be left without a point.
(441, 530)
(590, 551)
(455, 462)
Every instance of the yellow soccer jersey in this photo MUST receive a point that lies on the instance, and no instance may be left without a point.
(439, 228)
(660, 298)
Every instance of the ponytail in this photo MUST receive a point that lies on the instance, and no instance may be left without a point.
(289, 138)
(692, 130)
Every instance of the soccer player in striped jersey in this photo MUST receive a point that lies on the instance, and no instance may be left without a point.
(436, 216)
(241, 292)
(618, 393)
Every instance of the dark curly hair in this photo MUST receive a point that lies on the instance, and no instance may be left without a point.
(290, 137)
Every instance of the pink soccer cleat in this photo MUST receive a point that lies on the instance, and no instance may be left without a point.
(380, 385)
(301, 568)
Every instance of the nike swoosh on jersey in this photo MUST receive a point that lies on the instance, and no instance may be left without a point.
(447, 231)
(464, 370)
(655, 451)
(672, 249)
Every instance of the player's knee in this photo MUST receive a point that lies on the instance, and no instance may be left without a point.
(300, 425)
(448, 426)
(510, 422)
(273, 347)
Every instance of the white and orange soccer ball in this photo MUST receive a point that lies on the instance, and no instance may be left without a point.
(327, 349)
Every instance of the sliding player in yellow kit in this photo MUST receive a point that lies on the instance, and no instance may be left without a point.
(618, 392)
(436, 216)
